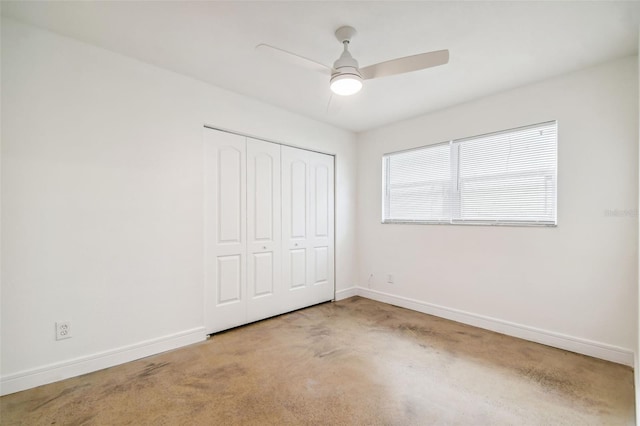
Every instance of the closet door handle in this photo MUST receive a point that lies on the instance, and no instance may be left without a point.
(264, 247)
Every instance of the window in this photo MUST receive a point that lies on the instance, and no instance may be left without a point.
(502, 178)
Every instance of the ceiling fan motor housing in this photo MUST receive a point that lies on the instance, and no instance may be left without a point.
(345, 68)
(345, 77)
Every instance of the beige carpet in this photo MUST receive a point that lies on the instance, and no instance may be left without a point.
(352, 362)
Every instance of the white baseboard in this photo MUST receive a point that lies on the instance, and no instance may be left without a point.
(54, 372)
(549, 338)
(346, 293)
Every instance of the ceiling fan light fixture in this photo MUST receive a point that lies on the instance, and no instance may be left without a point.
(346, 84)
(346, 79)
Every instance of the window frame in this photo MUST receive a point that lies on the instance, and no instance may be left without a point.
(454, 205)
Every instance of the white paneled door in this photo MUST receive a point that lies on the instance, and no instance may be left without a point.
(264, 236)
(307, 227)
(225, 229)
(268, 229)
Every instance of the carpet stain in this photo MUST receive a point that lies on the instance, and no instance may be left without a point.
(152, 369)
(62, 394)
(225, 372)
(550, 380)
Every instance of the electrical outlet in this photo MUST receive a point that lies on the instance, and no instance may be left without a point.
(390, 278)
(63, 330)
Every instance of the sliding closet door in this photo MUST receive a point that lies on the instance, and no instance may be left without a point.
(264, 281)
(225, 230)
(307, 227)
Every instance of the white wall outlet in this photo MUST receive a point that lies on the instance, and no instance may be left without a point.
(63, 330)
(390, 278)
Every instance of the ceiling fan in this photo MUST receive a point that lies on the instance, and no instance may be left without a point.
(346, 76)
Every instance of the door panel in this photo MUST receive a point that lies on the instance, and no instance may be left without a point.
(298, 268)
(321, 265)
(230, 180)
(264, 224)
(298, 199)
(229, 279)
(263, 272)
(225, 228)
(263, 194)
(295, 227)
(322, 201)
(321, 167)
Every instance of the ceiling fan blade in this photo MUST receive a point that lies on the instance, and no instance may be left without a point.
(406, 64)
(335, 104)
(329, 103)
(294, 58)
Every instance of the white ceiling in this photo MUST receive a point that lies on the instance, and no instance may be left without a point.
(494, 46)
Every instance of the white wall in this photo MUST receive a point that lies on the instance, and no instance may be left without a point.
(102, 202)
(576, 282)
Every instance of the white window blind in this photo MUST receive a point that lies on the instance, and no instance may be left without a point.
(507, 177)
(418, 184)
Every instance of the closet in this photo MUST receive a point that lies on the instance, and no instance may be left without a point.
(269, 229)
